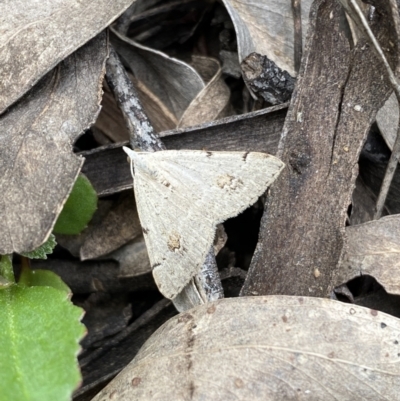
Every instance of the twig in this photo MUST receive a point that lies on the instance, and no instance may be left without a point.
(143, 137)
(298, 38)
(141, 132)
(355, 12)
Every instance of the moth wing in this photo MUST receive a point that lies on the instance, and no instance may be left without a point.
(220, 184)
(189, 194)
(176, 235)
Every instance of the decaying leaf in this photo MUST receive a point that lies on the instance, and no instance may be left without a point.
(36, 38)
(110, 120)
(373, 248)
(388, 119)
(267, 348)
(266, 27)
(174, 82)
(212, 102)
(120, 225)
(37, 166)
(132, 258)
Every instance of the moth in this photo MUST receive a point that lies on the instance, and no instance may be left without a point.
(181, 196)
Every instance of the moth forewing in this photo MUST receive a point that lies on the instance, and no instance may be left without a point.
(182, 195)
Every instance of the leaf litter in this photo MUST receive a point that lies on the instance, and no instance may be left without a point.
(187, 69)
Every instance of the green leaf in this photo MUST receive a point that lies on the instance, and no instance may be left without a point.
(43, 250)
(40, 333)
(42, 278)
(6, 269)
(78, 209)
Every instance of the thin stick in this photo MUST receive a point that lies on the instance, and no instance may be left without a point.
(141, 132)
(298, 38)
(355, 12)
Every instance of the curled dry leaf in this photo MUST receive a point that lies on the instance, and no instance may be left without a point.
(373, 248)
(267, 27)
(212, 102)
(46, 34)
(273, 347)
(38, 168)
(172, 81)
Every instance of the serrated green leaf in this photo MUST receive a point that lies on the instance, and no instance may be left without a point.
(43, 250)
(78, 209)
(40, 333)
(42, 278)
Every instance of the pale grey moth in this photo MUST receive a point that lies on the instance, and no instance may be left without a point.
(182, 195)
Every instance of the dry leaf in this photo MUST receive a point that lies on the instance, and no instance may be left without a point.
(38, 168)
(37, 36)
(110, 120)
(388, 119)
(172, 81)
(132, 258)
(373, 248)
(266, 27)
(267, 348)
(119, 226)
(212, 102)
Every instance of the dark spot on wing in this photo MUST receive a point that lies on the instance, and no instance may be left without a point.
(145, 230)
(209, 154)
(244, 157)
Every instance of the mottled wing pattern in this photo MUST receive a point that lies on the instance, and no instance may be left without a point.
(181, 197)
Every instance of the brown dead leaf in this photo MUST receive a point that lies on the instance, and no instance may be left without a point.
(212, 102)
(267, 28)
(267, 348)
(172, 81)
(37, 36)
(388, 119)
(373, 248)
(110, 120)
(119, 226)
(38, 168)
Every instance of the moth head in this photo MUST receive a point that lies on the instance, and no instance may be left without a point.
(138, 161)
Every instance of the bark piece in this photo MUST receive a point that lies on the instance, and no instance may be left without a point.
(37, 36)
(38, 168)
(331, 112)
(266, 79)
(372, 248)
(267, 348)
